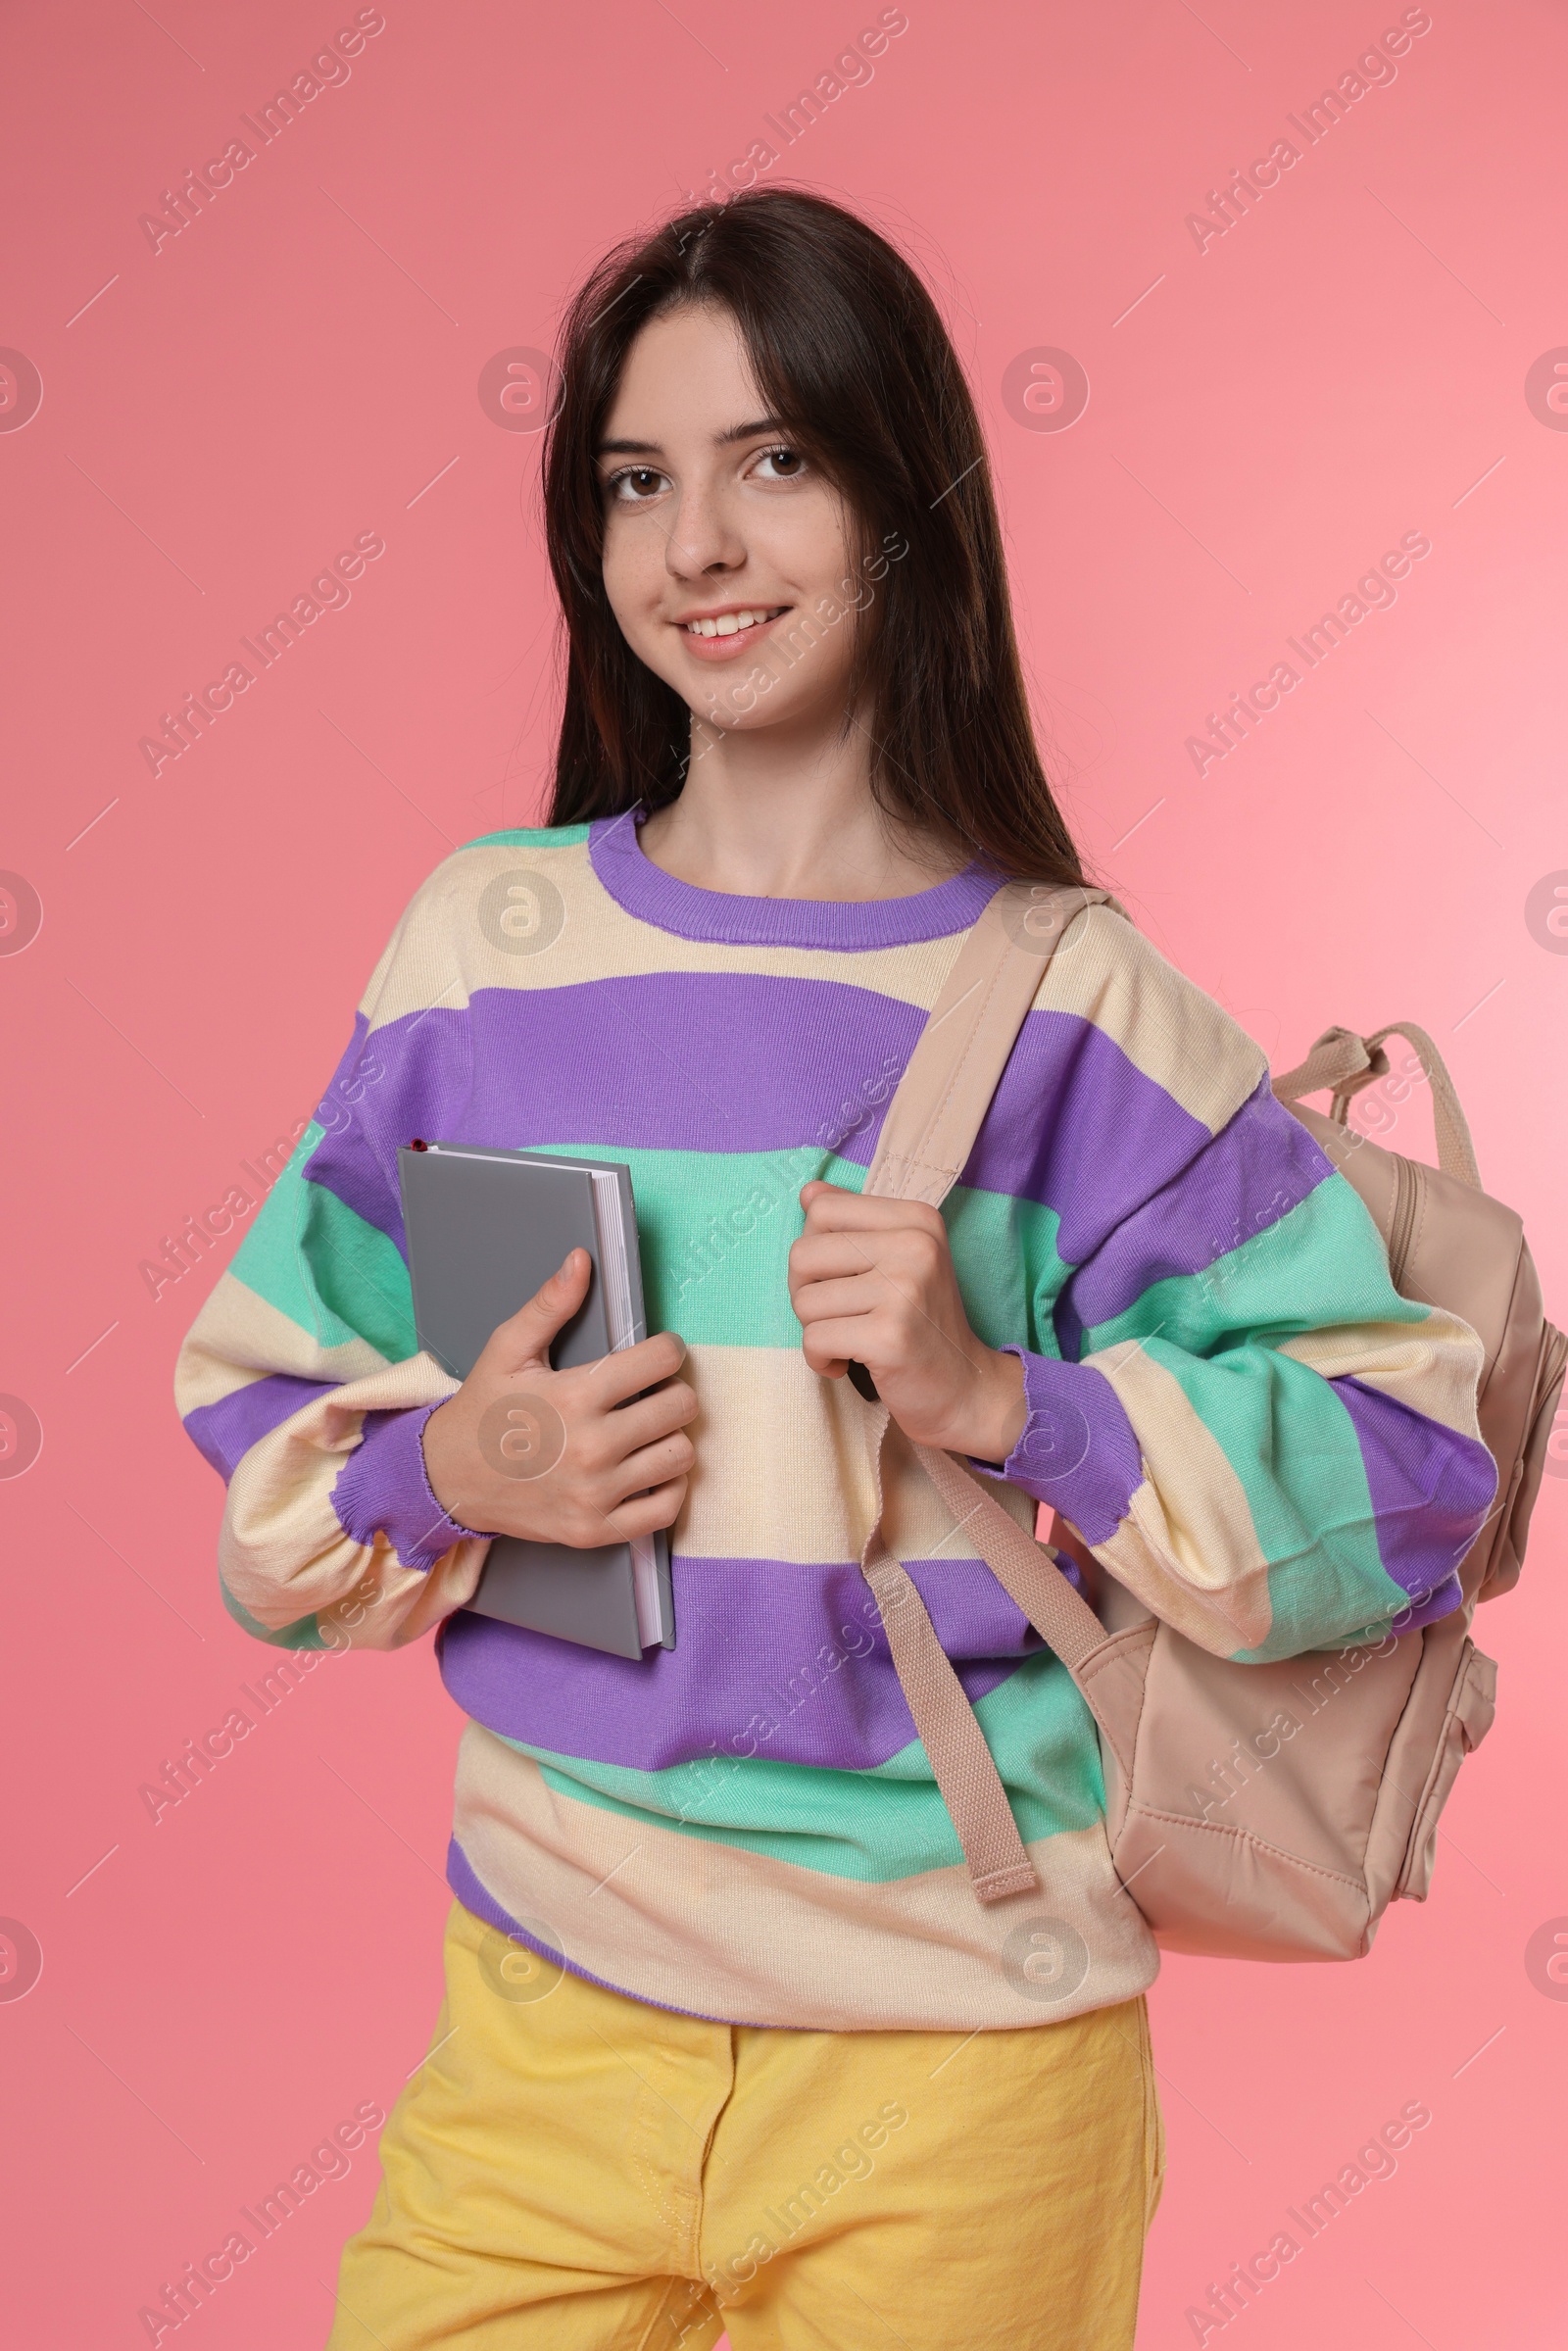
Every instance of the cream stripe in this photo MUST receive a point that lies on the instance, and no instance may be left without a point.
(1104, 969)
(1188, 1546)
(1169, 1027)
(441, 953)
(1434, 1367)
(784, 1468)
(240, 1337)
(282, 1551)
(781, 1945)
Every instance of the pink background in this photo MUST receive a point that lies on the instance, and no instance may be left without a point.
(300, 365)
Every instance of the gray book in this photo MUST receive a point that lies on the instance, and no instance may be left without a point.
(486, 1229)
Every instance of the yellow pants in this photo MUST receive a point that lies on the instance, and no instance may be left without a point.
(573, 2169)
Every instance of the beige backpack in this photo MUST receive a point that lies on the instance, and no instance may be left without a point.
(1235, 1836)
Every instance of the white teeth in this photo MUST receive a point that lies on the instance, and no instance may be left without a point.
(728, 625)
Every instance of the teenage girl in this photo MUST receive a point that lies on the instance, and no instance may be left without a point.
(728, 2039)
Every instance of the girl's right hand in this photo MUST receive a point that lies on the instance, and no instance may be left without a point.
(564, 1456)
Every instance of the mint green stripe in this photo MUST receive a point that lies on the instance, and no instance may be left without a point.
(332, 1274)
(874, 1826)
(1322, 1263)
(531, 836)
(1295, 1450)
(1005, 1255)
(716, 1226)
(302, 1634)
(1281, 1426)
(716, 1229)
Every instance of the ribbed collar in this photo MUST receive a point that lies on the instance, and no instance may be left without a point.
(653, 895)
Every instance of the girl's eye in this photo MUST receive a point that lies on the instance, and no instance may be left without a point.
(788, 464)
(634, 484)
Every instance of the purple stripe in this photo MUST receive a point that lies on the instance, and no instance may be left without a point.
(719, 1061)
(382, 1488)
(663, 1061)
(1430, 1491)
(645, 890)
(1251, 1174)
(1076, 1125)
(1078, 1450)
(743, 1063)
(225, 1431)
(756, 1642)
(412, 1078)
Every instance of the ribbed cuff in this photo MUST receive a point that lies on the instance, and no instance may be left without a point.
(1077, 1450)
(383, 1489)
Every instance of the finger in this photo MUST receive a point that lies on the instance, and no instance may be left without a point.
(673, 1456)
(830, 1256)
(630, 1369)
(524, 1336)
(834, 1302)
(832, 1210)
(672, 1407)
(827, 1344)
(645, 1512)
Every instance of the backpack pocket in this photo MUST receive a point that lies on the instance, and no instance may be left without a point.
(1466, 1721)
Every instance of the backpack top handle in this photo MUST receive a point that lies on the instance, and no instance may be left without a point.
(1347, 1063)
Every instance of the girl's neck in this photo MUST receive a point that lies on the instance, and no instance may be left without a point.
(763, 817)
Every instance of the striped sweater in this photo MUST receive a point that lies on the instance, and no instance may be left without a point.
(1226, 1398)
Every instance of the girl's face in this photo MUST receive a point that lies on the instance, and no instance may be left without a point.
(726, 553)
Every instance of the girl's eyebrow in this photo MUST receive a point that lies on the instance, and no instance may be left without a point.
(736, 432)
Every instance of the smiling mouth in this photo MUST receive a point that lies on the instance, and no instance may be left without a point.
(732, 624)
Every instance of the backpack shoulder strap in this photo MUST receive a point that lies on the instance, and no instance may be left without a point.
(927, 1134)
(947, 1081)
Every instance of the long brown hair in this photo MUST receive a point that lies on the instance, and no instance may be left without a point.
(852, 358)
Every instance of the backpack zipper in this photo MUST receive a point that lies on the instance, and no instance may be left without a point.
(1401, 1224)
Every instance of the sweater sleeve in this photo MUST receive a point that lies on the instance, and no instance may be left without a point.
(1226, 1397)
(301, 1381)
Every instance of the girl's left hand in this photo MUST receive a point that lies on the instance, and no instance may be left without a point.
(872, 1282)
